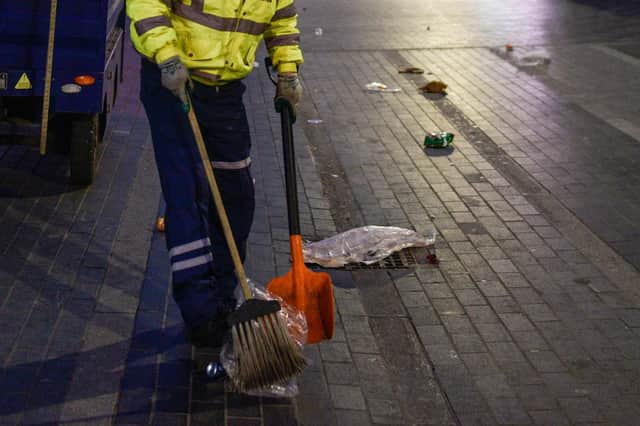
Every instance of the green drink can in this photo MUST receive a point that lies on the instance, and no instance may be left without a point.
(438, 140)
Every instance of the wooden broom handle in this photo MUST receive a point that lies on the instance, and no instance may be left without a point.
(217, 198)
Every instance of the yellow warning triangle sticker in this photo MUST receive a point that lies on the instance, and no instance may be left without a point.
(23, 83)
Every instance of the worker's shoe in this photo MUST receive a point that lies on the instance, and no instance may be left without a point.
(211, 334)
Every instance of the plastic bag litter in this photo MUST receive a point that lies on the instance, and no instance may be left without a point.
(297, 327)
(379, 87)
(533, 58)
(368, 244)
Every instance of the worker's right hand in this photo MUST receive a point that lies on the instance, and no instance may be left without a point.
(175, 77)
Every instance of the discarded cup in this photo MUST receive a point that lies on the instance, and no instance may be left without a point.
(438, 140)
(318, 31)
(379, 87)
(314, 121)
(256, 64)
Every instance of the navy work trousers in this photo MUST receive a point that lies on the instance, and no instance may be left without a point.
(201, 266)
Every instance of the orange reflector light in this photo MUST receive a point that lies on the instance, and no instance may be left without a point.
(84, 80)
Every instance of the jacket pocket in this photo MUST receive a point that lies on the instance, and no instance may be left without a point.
(250, 55)
(201, 49)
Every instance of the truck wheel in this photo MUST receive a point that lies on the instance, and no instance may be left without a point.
(84, 139)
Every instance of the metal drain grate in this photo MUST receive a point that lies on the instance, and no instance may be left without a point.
(402, 259)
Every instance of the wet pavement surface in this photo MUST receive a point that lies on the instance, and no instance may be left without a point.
(532, 315)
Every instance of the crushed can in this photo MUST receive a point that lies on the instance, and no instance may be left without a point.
(438, 140)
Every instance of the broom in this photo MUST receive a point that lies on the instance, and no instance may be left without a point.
(265, 352)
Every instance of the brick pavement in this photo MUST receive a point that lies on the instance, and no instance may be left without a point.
(531, 317)
(528, 319)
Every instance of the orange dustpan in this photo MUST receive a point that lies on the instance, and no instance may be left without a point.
(310, 292)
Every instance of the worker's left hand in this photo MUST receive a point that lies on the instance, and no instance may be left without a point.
(289, 88)
(175, 77)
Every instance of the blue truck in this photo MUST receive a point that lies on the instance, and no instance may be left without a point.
(87, 67)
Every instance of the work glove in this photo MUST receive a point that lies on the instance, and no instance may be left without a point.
(289, 88)
(175, 77)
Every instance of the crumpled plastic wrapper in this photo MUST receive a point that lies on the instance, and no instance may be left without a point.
(379, 87)
(524, 57)
(297, 327)
(368, 244)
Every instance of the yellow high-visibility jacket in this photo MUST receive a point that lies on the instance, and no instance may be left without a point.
(216, 39)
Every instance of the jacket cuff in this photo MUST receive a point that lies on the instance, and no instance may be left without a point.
(166, 52)
(287, 67)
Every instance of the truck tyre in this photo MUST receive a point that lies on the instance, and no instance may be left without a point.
(84, 139)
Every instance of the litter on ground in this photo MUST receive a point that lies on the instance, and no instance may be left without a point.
(411, 70)
(367, 244)
(379, 87)
(435, 86)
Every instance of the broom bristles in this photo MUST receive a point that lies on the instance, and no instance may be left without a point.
(265, 353)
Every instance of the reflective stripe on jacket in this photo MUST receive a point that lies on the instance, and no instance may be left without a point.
(216, 39)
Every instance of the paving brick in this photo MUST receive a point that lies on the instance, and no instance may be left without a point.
(509, 411)
(502, 266)
(504, 305)
(493, 332)
(341, 373)
(438, 291)
(352, 418)
(429, 275)
(631, 317)
(458, 324)
(347, 397)
(315, 409)
(549, 417)
(545, 361)
(408, 283)
(470, 297)
(479, 364)
(529, 340)
(423, 315)
(481, 314)
(468, 343)
(526, 296)
(561, 384)
(279, 415)
(580, 410)
(414, 299)
(433, 335)
(207, 414)
(495, 386)
(539, 313)
(492, 253)
(492, 288)
(516, 322)
(235, 421)
(460, 281)
(336, 352)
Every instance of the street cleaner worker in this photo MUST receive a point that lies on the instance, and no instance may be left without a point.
(210, 46)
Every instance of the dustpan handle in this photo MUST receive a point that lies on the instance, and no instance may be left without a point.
(287, 118)
(289, 167)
